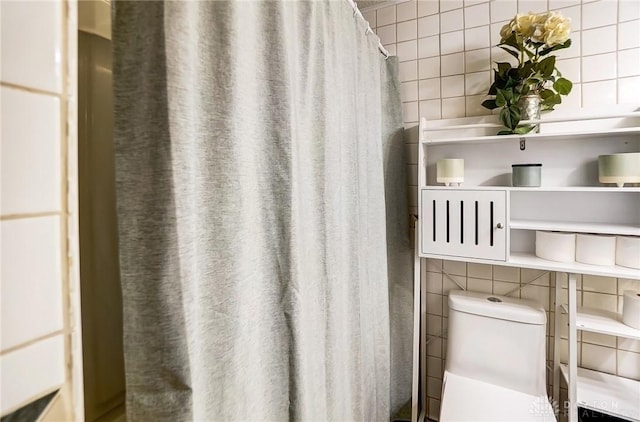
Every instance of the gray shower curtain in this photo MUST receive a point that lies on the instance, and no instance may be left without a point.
(260, 185)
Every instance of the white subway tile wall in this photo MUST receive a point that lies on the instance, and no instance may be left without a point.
(33, 214)
(450, 59)
(30, 177)
(31, 279)
(31, 371)
(35, 61)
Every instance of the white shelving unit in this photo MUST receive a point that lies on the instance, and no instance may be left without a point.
(603, 322)
(523, 260)
(567, 226)
(606, 393)
(536, 136)
(487, 221)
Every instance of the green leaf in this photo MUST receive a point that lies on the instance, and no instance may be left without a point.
(507, 95)
(503, 68)
(500, 100)
(510, 116)
(546, 51)
(510, 51)
(525, 70)
(563, 86)
(529, 54)
(551, 101)
(511, 82)
(546, 93)
(521, 130)
(546, 66)
(512, 41)
(493, 89)
(535, 78)
(490, 104)
(500, 81)
(506, 132)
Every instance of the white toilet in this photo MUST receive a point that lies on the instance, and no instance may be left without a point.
(496, 357)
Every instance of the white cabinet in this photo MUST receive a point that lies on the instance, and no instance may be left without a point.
(464, 223)
(488, 221)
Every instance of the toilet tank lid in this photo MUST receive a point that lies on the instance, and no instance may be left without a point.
(500, 307)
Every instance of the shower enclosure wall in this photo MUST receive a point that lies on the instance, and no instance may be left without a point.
(100, 283)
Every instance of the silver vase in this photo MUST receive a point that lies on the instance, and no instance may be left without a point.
(530, 110)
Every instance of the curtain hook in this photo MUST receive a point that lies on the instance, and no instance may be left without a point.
(368, 30)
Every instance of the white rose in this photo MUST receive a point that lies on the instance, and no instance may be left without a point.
(556, 29)
(526, 24)
(507, 30)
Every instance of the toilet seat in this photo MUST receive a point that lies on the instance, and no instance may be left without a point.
(467, 399)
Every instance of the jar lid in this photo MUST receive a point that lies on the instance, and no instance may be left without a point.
(526, 165)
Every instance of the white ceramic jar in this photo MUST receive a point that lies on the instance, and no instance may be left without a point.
(450, 170)
(619, 168)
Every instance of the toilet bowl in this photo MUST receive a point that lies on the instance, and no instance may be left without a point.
(496, 360)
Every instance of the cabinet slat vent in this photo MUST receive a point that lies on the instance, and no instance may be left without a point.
(447, 221)
(434, 220)
(454, 221)
(463, 223)
(476, 225)
(491, 224)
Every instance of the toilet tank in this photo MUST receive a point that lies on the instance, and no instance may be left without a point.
(499, 340)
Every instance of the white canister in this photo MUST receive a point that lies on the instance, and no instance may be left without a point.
(619, 168)
(526, 175)
(631, 308)
(450, 170)
(596, 249)
(628, 251)
(556, 246)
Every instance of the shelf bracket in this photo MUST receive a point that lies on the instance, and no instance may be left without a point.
(523, 144)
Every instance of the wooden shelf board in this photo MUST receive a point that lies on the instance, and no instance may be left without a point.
(603, 322)
(565, 226)
(605, 393)
(537, 136)
(531, 261)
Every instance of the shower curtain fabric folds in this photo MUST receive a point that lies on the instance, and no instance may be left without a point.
(257, 167)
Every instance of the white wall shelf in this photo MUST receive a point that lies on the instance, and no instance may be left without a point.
(622, 120)
(603, 322)
(605, 393)
(566, 226)
(528, 260)
(533, 137)
(525, 260)
(595, 189)
(454, 223)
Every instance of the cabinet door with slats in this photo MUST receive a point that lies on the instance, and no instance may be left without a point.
(464, 223)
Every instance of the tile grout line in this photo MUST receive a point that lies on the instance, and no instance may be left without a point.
(31, 342)
(21, 216)
(31, 90)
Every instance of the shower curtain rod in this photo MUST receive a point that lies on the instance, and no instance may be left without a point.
(357, 11)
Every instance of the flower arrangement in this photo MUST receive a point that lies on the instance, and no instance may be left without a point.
(530, 39)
